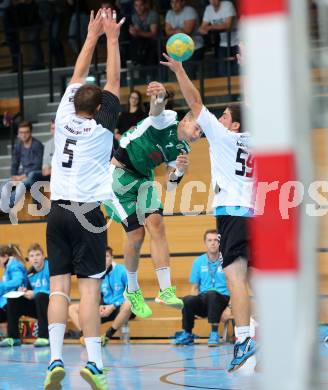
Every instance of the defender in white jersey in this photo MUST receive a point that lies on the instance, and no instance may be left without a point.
(76, 230)
(232, 171)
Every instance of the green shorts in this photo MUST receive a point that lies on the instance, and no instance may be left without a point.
(134, 198)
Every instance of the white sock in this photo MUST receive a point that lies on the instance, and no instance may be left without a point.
(5, 197)
(242, 332)
(56, 339)
(93, 345)
(132, 281)
(164, 277)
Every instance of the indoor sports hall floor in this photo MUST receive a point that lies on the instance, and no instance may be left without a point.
(138, 367)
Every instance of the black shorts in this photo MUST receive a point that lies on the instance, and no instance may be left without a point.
(113, 315)
(71, 247)
(234, 234)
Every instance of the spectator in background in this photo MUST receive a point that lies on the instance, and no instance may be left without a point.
(144, 31)
(184, 19)
(209, 293)
(220, 16)
(34, 302)
(78, 24)
(128, 119)
(28, 154)
(49, 149)
(113, 306)
(14, 275)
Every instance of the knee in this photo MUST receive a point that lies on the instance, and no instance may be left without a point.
(41, 296)
(188, 300)
(126, 307)
(155, 225)
(211, 294)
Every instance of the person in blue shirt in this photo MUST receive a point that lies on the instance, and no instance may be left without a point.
(34, 302)
(113, 306)
(14, 275)
(209, 295)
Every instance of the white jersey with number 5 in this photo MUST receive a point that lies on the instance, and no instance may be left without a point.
(231, 163)
(80, 164)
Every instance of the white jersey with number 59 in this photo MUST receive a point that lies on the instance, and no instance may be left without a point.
(80, 164)
(231, 163)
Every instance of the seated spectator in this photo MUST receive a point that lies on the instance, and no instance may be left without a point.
(220, 16)
(34, 302)
(113, 306)
(184, 19)
(27, 154)
(49, 149)
(144, 31)
(14, 276)
(209, 294)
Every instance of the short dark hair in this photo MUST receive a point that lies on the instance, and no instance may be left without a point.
(210, 231)
(110, 250)
(35, 247)
(236, 114)
(87, 98)
(25, 124)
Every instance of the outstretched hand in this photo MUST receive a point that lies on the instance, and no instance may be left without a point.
(175, 66)
(156, 89)
(95, 27)
(111, 26)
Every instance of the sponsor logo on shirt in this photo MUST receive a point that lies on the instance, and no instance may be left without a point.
(72, 130)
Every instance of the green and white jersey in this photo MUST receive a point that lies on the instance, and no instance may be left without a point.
(154, 141)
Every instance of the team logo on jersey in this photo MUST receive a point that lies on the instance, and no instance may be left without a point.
(156, 157)
(180, 146)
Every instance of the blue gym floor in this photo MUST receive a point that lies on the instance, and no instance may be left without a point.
(136, 367)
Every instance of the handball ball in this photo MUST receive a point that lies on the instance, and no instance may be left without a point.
(180, 47)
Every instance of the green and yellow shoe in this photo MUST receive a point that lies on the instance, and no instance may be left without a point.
(96, 378)
(41, 342)
(138, 305)
(55, 374)
(104, 340)
(10, 342)
(168, 297)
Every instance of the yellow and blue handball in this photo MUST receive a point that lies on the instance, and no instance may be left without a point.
(180, 47)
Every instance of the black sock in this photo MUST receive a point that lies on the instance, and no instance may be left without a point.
(188, 330)
(215, 328)
(110, 332)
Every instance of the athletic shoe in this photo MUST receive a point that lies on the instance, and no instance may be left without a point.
(9, 342)
(242, 351)
(41, 342)
(213, 340)
(55, 374)
(138, 305)
(104, 340)
(168, 297)
(96, 378)
(184, 338)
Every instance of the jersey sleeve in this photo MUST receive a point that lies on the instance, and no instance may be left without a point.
(206, 16)
(212, 128)
(109, 111)
(66, 106)
(165, 119)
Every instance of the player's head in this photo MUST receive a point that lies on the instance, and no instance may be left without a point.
(109, 256)
(188, 129)
(211, 241)
(232, 119)
(25, 131)
(7, 251)
(36, 257)
(177, 5)
(87, 100)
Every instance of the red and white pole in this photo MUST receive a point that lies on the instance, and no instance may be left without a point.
(267, 31)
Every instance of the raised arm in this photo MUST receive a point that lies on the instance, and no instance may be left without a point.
(113, 66)
(82, 66)
(157, 93)
(189, 91)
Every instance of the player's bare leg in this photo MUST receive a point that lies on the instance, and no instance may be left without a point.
(161, 259)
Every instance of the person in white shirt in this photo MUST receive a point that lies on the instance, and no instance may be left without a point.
(220, 16)
(232, 179)
(84, 125)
